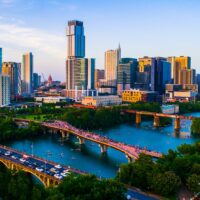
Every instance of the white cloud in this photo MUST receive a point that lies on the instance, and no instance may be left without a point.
(49, 49)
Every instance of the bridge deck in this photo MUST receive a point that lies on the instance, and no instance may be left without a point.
(129, 150)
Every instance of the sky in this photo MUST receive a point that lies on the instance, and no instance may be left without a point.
(142, 27)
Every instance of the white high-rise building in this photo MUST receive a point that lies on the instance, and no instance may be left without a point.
(4, 90)
(112, 58)
(27, 74)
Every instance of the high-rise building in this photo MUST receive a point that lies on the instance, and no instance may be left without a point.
(76, 39)
(79, 70)
(0, 60)
(126, 74)
(13, 70)
(4, 90)
(145, 64)
(99, 75)
(112, 58)
(160, 75)
(178, 64)
(80, 73)
(36, 80)
(187, 76)
(27, 74)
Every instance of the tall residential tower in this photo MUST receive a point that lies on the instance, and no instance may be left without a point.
(27, 74)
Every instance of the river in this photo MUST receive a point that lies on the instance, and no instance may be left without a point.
(88, 157)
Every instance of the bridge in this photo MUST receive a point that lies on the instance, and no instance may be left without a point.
(131, 152)
(49, 173)
(157, 116)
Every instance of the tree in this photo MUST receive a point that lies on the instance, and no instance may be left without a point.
(165, 184)
(193, 182)
(195, 126)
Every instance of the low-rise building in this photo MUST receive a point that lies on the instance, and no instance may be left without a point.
(133, 96)
(101, 100)
(51, 99)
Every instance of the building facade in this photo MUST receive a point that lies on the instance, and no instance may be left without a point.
(27, 74)
(178, 64)
(99, 75)
(112, 58)
(187, 76)
(0, 60)
(133, 96)
(160, 75)
(4, 90)
(76, 39)
(80, 73)
(36, 80)
(126, 74)
(13, 70)
(99, 101)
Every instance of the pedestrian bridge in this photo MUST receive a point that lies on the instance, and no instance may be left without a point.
(131, 152)
(16, 160)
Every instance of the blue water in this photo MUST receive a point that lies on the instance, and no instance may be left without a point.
(88, 157)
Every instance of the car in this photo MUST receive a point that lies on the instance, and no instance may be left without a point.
(64, 174)
(7, 153)
(39, 169)
(58, 166)
(58, 176)
(13, 157)
(22, 160)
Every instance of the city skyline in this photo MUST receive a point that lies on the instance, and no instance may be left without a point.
(145, 33)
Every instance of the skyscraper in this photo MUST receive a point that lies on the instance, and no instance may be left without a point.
(79, 70)
(36, 80)
(126, 74)
(4, 90)
(178, 64)
(76, 39)
(187, 76)
(13, 70)
(112, 58)
(160, 75)
(27, 72)
(80, 73)
(0, 60)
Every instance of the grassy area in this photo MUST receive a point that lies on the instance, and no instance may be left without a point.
(41, 117)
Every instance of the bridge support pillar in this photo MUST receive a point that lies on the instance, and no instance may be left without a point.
(156, 122)
(63, 134)
(138, 118)
(177, 124)
(129, 158)
(81, 140)
(103, 148)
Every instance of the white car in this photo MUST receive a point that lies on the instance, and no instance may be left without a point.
(58, 176)
(7, 153)
(14, 157)
(22, 160)
(39, 169)
(58, 166)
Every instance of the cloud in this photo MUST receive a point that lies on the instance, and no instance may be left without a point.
(49, 49)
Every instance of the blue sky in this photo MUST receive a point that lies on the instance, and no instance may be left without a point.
(143, 28)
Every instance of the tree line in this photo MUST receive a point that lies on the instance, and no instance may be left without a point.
(167, 174)
(21, 186)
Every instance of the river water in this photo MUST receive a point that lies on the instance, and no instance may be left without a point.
(88, 157)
